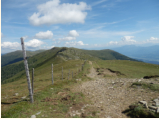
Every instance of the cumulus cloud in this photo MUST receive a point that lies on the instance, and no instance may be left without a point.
(10, 45)
(44, 35)
(153, 39)
(34, 43)
(128, 39)
(75, 43)
(52, 12)
(73, 33)
(71, 36)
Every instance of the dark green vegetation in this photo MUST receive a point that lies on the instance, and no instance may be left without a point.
(16, 56)
(14, 71)
(138, 111)
(153, 87)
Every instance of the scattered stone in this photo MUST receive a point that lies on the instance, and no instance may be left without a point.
(139, 80)
(152, 107)
(51, 88)
(155, 100)
(50, 108)
(23, 97)
(144, 102)
(33, 116)
(54, 110)
(16, 94)
(73, 115)
(42, 115)
(157, 104)
(38, 113)
(157, 111)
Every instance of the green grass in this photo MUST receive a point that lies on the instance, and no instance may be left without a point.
(139, 111)
(42, 90)
(131, 69)
(153, 87)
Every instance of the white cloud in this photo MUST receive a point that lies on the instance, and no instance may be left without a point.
(44, 35)
(153, 39)
(113, 42)
(98, 2)
(52, 12)
(67, 38)
(128, 39)
(34, 43)
(48, 47)
(25, 37)
(73, 33)
(75, 43)
(10, 45)
(71, 36)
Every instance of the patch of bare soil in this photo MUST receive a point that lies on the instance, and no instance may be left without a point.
(111, 96)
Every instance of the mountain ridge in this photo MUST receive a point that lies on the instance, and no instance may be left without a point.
(62, 54)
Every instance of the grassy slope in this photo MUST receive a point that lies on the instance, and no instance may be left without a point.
(42, 85)
(131, 69)
(16, 56)
(13, 71)
(107, 55)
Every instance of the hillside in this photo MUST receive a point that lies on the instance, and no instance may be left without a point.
(16, 56)
(93, 92)
(108, 55)
(14, 71)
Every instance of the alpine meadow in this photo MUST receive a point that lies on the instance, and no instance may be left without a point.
(79, 59)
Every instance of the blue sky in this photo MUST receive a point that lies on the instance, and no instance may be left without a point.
(75, 23)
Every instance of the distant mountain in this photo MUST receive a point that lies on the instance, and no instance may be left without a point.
(2, 54)
(16, 56)
(57, 55)
(147, 54)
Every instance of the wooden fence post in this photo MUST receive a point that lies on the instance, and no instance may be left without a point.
(27, 71)
(62, 73)
(33, 81)
(52, 75)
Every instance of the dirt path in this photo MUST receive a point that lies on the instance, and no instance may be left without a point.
(112, 96)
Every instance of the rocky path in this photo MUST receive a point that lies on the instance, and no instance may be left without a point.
(112, 96)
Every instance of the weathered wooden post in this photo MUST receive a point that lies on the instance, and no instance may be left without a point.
(27, 71)
(33, 81)
(62, 73)
(52, 75)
